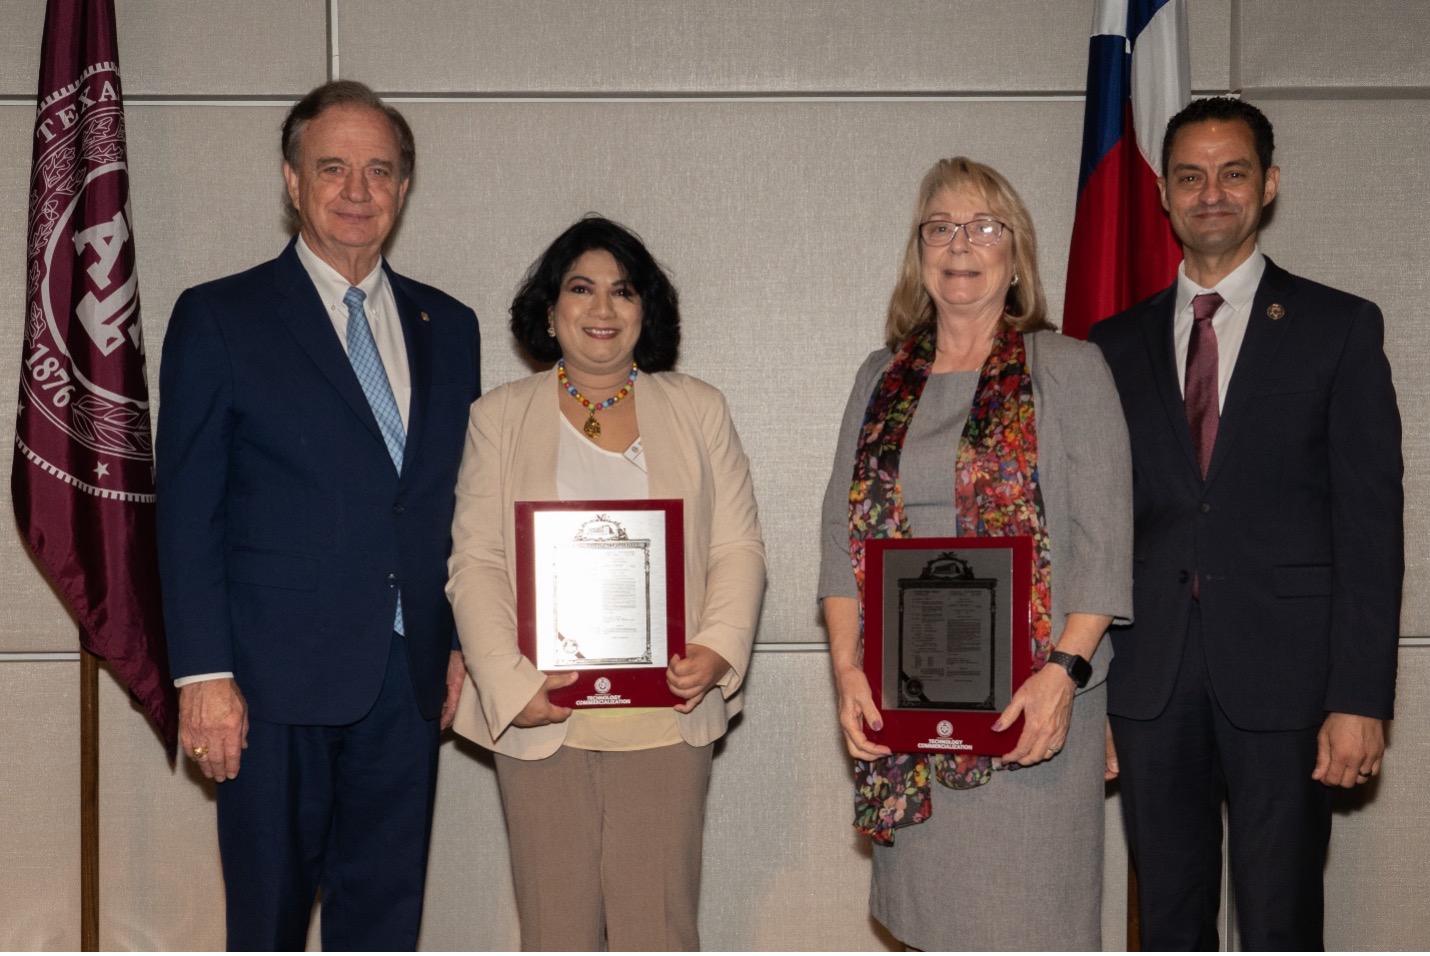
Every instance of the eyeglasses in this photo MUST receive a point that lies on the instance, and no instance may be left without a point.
(980, 232)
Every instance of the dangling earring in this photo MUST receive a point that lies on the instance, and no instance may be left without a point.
(1014, 282)
(550, 330)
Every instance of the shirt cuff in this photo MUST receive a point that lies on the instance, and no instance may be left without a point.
(195, 678)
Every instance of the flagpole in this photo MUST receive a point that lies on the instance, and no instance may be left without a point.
(88, 802)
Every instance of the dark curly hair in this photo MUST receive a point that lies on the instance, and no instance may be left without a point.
(1224, 108)
(660, 304)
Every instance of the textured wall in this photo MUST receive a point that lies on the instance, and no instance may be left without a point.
(768, 152)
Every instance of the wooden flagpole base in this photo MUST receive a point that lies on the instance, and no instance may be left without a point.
(88, 802)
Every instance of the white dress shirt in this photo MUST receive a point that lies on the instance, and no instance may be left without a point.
(386, 325)
(382, 318)
(1237, 290)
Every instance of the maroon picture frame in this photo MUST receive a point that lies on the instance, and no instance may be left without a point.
(952, 732)
(601, 688)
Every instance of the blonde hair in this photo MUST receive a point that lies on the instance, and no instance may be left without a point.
(911, 309)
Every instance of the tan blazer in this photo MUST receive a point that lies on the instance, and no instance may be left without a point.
(691, 453)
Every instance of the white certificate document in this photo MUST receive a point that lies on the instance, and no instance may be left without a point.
(600, 589)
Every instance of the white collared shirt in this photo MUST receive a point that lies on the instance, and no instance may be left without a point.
(382, 318)
(1238, 291)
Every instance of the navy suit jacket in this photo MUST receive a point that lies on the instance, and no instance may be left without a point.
(285, 532)
(1295, 535)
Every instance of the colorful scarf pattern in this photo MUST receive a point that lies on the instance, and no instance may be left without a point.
(996, 494)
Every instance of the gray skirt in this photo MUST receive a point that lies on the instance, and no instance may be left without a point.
(1013, 865)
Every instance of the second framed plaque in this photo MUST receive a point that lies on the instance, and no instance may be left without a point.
(601, 591)
(947, 640)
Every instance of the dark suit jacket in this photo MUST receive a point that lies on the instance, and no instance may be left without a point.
(285, 532)
(1296, 534)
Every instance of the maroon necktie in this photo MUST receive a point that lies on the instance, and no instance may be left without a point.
(1203, 371)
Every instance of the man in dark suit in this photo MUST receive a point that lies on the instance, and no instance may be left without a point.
(1268, 555)
(314, 414)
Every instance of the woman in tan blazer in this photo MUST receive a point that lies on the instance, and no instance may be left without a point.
(604, 809)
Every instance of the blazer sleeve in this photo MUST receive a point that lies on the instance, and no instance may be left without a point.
(479, 584)
(1098, 473)
(192, 450)
(735, 571)
(836, 573)
(1367, 523)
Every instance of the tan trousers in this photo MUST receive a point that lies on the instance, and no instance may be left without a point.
(607, 841)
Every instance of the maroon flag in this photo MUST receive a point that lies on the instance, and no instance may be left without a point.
(83, 482)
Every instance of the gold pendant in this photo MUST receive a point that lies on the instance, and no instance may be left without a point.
(592, 428)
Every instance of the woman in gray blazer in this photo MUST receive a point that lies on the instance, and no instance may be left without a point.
(979, 419)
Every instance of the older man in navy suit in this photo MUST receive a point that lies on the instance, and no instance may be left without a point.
(1268, 555)
(314, 412)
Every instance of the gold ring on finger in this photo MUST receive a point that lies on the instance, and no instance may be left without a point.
(200, 753)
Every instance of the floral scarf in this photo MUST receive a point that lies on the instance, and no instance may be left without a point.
(996, 494)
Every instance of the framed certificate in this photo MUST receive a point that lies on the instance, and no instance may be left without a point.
(601, 591)
(947, 640)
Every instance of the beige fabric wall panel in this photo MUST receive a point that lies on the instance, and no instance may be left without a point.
(470, 904)
(160, 885)
(188, 47)
(655, 46)
(783, 224)
(20, 47)
(39, 805)
(1209, 26)
(34, 619)
(784, 870)
(1375, 879)
(1343, 218)
(207, 190)
(1296, 44)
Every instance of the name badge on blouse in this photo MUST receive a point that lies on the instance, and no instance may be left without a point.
(947, 640)
(601, 591)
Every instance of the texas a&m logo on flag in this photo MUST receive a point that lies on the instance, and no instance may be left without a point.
(83, 376)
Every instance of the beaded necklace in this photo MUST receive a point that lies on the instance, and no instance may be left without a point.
(592, 428)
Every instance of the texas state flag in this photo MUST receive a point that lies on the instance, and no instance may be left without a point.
(1138, 77)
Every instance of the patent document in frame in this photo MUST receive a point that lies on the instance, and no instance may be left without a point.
(947, 639)
(600, 591)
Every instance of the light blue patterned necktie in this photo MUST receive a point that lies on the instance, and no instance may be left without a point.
(362, 353)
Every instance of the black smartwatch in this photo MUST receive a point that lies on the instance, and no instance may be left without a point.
(1078, 668)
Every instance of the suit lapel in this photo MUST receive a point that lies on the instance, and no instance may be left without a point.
(302, 311)
(1258, 349)
(1162, 354)
(417, 333)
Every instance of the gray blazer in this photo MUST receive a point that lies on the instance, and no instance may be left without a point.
(1084, 466)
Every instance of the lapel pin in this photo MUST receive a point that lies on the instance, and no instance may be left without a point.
(1274, 310)
(426, 319)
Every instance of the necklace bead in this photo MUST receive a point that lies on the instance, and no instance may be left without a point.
(592, 428)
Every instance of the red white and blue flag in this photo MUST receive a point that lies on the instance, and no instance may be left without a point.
(1138, 77)
(83, 482)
